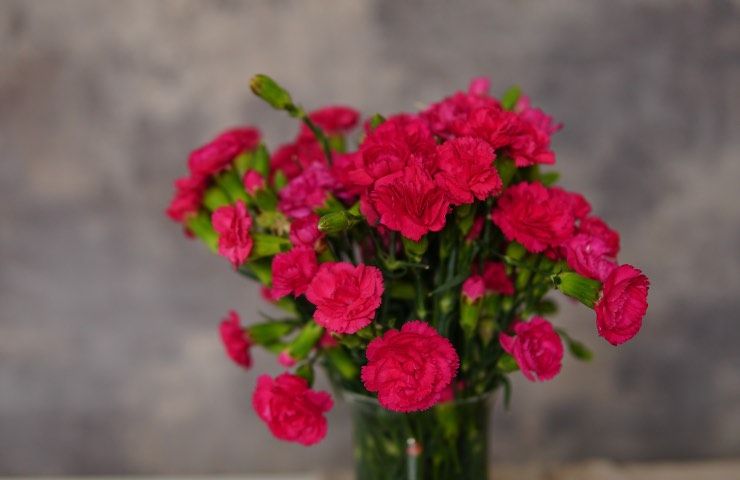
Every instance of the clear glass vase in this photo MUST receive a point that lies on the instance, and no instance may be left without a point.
(448, 441)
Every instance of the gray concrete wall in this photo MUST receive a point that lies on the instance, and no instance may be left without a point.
(109, 357)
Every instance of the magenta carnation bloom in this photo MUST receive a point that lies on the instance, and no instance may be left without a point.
(346, 296)
(622, 305)
(187, 198)
(496, 280)
(235, 340)
(307, 191)
(232, 222)
(410, 202)
(253, 181)
(291, 410)
(596, 227)
(292, 272)
(217, 154)
(537, 349)
(589, 256)
(466, 170)
(305, 231)
(535, 216)
(473, 288)
(448, 118)
(334, 120)
(410, 369)
(390, 147)
(293, 158)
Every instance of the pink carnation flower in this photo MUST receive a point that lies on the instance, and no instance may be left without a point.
(346, 296)
(187, 199)
(253, 181)
(307, 191)
(235, 340)
(622, 305)
(473, 288)
(232, 222)
(334, 120)
(537, 349)
(390, 147)
(291, 410)
(292, 272)
(410, 369)
(496, 280)
(466, 170)
(293, 158)
(535, 216)
(410, 202)
(589, 256)
(218, 154)
(596, 227)
(305, 231)
(448, 118)
(286, 360)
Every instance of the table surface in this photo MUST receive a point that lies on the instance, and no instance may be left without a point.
(591, 470)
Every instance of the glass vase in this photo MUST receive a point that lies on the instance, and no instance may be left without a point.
(448, 441)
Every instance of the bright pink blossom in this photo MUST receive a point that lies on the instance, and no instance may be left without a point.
(410, 202)
(305, 231)
(589, 256)
(293, 158)
(596, 227)
(496, 280)
(535, 216)
(390, 147)
(342, 168)
(410, 369)
(291, 410)
(334, 120)
(187, 198)
(253, 181)
(235, 340)
(473, 288)
(622, 305)
(466, 170)
(346, 296)
(307, 191)
(293, 271)
(448, 118)
(286, 360)
(232, 222)
(218, 154)
(537, 349)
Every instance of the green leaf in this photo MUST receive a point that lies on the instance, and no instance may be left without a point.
(342, 362)
(306, 371)
(507, 364)
(214, 198)
(270, 332)
(201, 227)
(506, 169)
(549, 178)
(261, 269)
(268, 245)
(451, 283)
(261, 161)
(230, 183)
(305, 340)
(243, 162)
(279, 180)
(376, 120)
(580, 351)
(266, 200)
(510, 97)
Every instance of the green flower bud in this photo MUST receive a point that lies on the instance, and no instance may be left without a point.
(583, 289)
(305, 340)
(333, 223)
(268, 90)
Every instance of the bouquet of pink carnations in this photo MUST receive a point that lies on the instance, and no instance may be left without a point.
(413, 255)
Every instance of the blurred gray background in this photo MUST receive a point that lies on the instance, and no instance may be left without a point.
(109, 355)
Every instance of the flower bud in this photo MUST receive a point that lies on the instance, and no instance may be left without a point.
(305, 340)
(583, 289)
(268, 90)
(336, 222)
